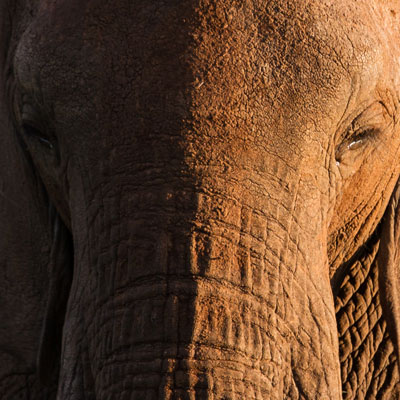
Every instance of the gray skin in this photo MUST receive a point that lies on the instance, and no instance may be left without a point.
(199, 199)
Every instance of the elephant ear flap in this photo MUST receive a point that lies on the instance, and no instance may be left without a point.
(60, 277)
(389, 268)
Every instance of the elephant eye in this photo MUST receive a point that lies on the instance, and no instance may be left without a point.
(356, 139)
(31, 131)
(365, 129)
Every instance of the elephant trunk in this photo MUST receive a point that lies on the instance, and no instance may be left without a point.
(194, 294)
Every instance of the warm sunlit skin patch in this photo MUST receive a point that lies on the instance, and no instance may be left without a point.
(367, 146)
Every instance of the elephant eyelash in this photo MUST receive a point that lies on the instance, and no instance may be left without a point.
(366, 126)
(359, 136)
(355, 139)
(30, 130)
(30, 117)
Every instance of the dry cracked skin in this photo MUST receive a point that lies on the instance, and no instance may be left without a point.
(199, 199)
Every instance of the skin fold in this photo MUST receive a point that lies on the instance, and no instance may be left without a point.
(199, 199)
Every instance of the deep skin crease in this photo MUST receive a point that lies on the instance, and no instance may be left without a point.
(227, 173)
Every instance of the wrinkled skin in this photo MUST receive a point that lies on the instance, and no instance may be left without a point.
(227, 173)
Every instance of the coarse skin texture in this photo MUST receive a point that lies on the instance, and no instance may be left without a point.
(199, 199)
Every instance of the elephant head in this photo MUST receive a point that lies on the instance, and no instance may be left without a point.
(227, 172)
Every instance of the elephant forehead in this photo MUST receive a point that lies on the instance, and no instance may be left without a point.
(233, 63)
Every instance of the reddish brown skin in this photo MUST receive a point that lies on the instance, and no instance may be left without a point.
(227, 171)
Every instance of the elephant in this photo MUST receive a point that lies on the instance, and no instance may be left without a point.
(199, 199)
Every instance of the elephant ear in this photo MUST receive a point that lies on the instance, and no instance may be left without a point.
(60, 277)
(389, 268)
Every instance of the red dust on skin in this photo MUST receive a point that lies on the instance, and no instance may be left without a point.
(223, 169)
